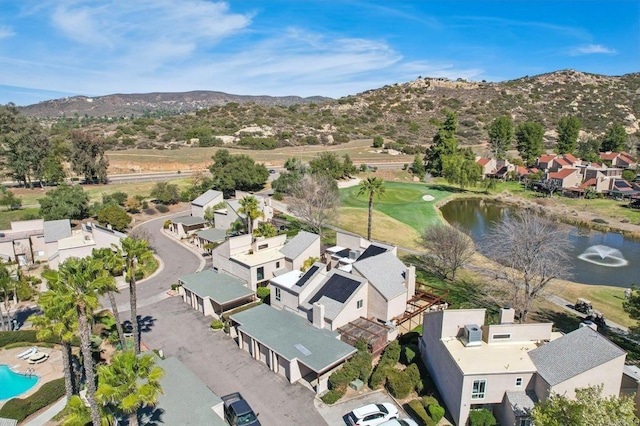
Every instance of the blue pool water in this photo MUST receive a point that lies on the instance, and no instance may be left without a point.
(13, 384)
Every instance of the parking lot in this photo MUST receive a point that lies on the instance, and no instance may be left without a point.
(334, 414)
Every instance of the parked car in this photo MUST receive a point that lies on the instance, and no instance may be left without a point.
(372, 414)
(237, 411)
(400, 422)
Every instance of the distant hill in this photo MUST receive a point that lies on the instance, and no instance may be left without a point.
(138, 104)
(407, 115)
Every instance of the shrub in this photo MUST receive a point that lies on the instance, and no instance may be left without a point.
(340, 379)
(436, 411)
(174, 286)
(399, 384)
(420, 412)
(217, 324)
(482, 417)
(332, 396)
(19, 408)
(429, 400)
(150, 211)
(263, 293)
(599, 220)
(409, 354)
(413, 374)
(162, 208)
(166, 224)
(278, 196)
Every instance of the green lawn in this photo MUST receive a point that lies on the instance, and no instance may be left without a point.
(401, 201)
(6, 217)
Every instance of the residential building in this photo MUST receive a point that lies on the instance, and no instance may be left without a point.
(82, 242)
(488, 165)
(256, 260)
(226, 216)
(565, 178)
(185, 226)
(206, 239)
(621, 160)
(509, 367)
(213, 293)
(290, 345)
(209, 199)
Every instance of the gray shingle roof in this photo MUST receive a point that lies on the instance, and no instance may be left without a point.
(207, 197)
(293, 337)
(221, 288)
(298, 244)
(185, 400)
(573, 354)
(522, 402)
(327, 292)
(385, 272)
(189, 220)
(213, 235)
(55, 230)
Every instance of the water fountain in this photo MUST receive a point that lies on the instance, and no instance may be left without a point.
(604, 256)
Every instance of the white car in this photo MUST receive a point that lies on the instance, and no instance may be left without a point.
(400, 422)
(372, 414)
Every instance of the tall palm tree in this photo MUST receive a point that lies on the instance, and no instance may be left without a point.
(80, 283)
(134, 251)
(112, 261)
(5, 286)
(58, 319)
(130, 383)
(77, 414)
(250, 208)
(373, 187)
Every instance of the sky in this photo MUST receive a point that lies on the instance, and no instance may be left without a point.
(52, 49)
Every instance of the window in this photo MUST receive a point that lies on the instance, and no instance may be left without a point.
(502, 336)
(277, 265)
(260, 273)
(479, 387)
(524, 421)
(518, 382)
(263, 246)
(278, 294)
(359, 304)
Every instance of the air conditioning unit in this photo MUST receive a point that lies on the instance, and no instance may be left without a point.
(354, 254)
(472, 335)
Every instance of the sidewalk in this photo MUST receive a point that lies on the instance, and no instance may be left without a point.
(48, 414)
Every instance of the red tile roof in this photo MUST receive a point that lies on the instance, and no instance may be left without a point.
(570, 158)
(625, 158)
(562, 161)
(546, 158)
(561, 174)
(483, 161)
(587, 183)
(522, 170)
(608, 155)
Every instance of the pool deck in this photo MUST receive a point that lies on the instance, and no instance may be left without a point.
(46, 371)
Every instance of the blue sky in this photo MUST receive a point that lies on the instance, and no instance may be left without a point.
(57, 48)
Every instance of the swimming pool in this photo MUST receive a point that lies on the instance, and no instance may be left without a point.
(13, 384)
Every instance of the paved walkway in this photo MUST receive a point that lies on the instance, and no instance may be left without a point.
(46, 416)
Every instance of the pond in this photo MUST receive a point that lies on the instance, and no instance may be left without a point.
(605, 258)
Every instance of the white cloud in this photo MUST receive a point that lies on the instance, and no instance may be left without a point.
(590, 49)
(6, 32)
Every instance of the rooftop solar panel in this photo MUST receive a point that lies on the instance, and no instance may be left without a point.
(303, 280)
(371, 251)
(338, 288)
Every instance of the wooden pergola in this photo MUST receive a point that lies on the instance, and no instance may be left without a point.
(422, 301)
(374, 333)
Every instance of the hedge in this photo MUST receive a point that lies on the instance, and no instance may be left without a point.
(399, 384)
(436, 412)
(19, 408)
(388, 360)
(420, 412)
(263, 293)
(482, 417)
(332, 396)
(25, 344)
(28, 337)
(409, 353)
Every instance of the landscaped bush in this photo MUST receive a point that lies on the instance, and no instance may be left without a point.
(263, 293)
(162, 208)
(482, 417)
(23, 344)
(388, 360)
(429, 400)
(150, 211)
(409, 354)
(27, 338)
(19, 408)
(420, 412)
(413, 374)
(332, 396)
(398, 383)
(436, 411)
(217, 324)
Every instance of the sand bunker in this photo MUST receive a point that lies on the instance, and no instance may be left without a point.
(428, 197)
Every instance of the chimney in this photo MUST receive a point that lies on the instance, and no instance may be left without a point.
(410, 278)
(507, 315)
(318, 315)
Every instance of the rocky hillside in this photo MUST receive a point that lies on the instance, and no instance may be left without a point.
(141, 104)
(406, 115)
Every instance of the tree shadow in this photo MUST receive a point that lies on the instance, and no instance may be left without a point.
(447, 188)
(145, 324)
(562, 321)
(151, 416)
(23, 314)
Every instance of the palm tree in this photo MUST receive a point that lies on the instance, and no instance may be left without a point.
(60, 320)
(112, 261)
(5, 286)
(134, 251)
(249, 207)
(79, 283)
(77, 414)
(130, 383)
(371, 186)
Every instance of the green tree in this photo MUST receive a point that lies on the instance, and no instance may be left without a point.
(589, 408)
(631, 306)
(568, 131)
(327, 163)
(628, 175)
(79, 283)
(588, 149)
(236, 172)
(130, 383)
(530, 141)
(500, 136)
(265, 229)
(87, 156)
(134, 252)
(165, 192)
(460, 170)
(372, 187)
(615, 139)
(65, 202)
(378, 142)
(77, 414)
(115, 216)
(444, 143)
(59, 320)
(347, 166)
(417, 167)
(250, 208)
(8, 199)
(114, 263)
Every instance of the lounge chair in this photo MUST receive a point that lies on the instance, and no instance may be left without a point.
(26, 354)
(38, 357)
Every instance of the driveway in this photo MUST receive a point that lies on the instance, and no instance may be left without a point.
(215, 358)
(334, 414)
